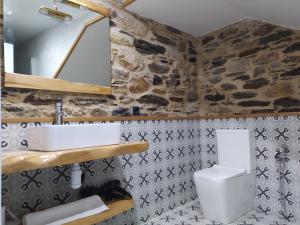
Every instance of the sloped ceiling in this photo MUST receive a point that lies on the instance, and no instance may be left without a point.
(199, 17)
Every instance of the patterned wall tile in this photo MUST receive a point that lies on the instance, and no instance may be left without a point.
(161, 178)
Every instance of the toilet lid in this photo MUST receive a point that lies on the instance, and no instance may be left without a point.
(219, 173)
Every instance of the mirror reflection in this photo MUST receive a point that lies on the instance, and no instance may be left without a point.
(56, 39)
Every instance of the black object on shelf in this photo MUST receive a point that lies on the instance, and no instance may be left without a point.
(109, 191)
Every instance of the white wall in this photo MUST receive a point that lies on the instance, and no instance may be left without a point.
(9, 57)
(90, 60)
(49, 48)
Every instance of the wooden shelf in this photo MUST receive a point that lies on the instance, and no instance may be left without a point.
(14, 80)
(20, 160)
(115, 208)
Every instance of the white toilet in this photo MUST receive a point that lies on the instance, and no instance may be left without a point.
(226, 191)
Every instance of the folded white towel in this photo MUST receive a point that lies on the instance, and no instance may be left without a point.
(67, 212)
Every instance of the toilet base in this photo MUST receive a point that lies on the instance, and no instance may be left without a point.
(226, 200)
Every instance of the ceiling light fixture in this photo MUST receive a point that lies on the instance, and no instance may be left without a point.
(54, 13)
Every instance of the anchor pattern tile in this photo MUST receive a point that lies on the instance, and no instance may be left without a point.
(161, 179)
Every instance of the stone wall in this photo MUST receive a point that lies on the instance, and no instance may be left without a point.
(250, 67)
(153, 66)
(245, 68)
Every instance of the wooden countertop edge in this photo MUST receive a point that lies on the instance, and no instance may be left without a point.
(131, 118)
(20, 160)
(115, 208)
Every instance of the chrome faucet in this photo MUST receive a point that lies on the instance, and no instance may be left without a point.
(59, 114)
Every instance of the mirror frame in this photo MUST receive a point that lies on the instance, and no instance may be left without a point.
(15, 80)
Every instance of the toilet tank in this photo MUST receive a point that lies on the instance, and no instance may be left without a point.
(236, 149)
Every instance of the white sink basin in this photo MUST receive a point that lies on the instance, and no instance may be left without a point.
(65, 137)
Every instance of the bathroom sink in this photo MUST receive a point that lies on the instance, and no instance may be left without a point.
(65, 137)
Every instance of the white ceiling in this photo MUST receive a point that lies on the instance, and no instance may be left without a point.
(22, 19)
(199, 17)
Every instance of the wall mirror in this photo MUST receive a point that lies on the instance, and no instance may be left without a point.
(56, 45)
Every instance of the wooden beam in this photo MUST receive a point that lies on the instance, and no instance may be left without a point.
(14, 80)
(93, 6)
(127, 3)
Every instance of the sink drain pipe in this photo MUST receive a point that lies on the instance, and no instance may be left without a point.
(76, 176)
(76, 172)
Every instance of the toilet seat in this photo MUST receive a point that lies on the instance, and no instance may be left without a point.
(219, 173)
